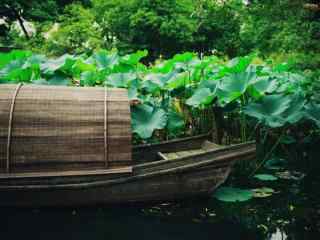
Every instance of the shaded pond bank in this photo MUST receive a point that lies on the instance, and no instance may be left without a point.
(292, 213)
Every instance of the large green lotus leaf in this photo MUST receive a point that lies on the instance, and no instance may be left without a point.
(175, 122)
(183, 57)
(188, 65)
(105, 59)
(133, 93)
(289, 82)
(201, 96)
(282, 67)
(154, 82)
(151, 87)
(10, 67)
(240, 64)
(237, 82)
(20, 71)
(51, 65)
(178, 62)
(295, 112)
(179, 80)
(262, 86)
(234, 85)
(146, 119)
(277, 110)
(81, 66)
(226, 98)
(6, 58)
(135, 83)
(163, 67)
(40, 81)
(120, 79)
(265, 177)
(134, 58)
(212, 84)
(88, 78)
(59, 80)
(269, 109)
(34, 60)
(235, 65)
(312, 112)
(229, 194)
(133, 87)
(124, 68)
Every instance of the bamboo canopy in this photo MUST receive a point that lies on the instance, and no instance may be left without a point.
(50, 128)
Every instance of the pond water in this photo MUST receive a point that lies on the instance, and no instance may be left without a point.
(292, 213)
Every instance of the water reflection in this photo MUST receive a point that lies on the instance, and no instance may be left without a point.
(124, 223)
(292, 214)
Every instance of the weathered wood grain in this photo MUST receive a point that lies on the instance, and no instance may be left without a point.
(151, 181)
(63, 128)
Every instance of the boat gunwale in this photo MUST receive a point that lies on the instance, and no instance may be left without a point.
(123, 170)
(222, 161)
(173, 141)
(208, 152)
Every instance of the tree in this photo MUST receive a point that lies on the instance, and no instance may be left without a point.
(166, 27)
(31, 10)
(279, 27)
(77, 32)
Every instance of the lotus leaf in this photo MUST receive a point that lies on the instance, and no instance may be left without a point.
(265, 177)
(146, 119)
(262, 192)
(120, 79)
(201, 96)
(229, 194)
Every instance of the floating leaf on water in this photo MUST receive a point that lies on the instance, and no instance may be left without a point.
(291, 175)
(266, 177)
(274, 163)
(229, 194)
(262, 192)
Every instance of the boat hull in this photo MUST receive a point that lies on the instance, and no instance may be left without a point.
(152, 181)
(154, 188)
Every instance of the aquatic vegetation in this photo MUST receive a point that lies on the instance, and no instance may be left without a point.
(177, 95)
(229, 194)
(265, 177)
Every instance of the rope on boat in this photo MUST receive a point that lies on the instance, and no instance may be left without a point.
(15, 94)
(106, 153)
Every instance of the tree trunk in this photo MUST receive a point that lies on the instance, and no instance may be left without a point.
(20, 20)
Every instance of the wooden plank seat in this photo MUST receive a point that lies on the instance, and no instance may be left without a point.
(206, 146)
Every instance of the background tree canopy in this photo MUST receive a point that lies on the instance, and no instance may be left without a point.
(166, 27)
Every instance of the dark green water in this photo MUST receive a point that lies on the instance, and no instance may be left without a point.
(293, 213)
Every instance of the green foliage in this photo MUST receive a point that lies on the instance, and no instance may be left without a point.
(175, 94)
(77, 33)
(146, 119)
(229, 194)
(279, 27)
(265, 177)
(168, 26)
(262, 192)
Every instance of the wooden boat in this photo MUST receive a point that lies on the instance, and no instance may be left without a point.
(166, 171)
(193, 172)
